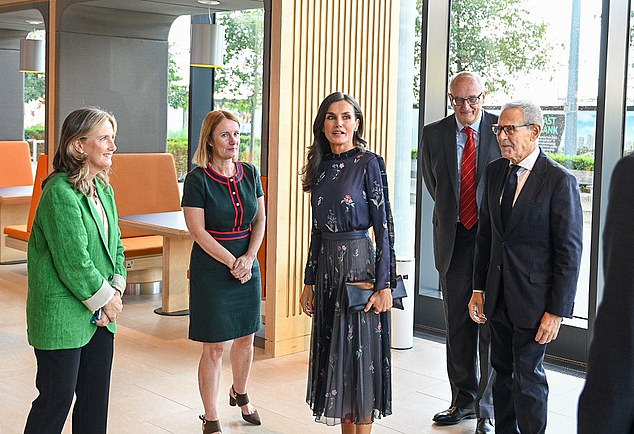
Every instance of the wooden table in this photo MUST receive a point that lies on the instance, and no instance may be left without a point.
(14, 210)
(177, 245)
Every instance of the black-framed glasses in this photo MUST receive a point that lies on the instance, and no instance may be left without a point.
(509, 130)
(472, 100)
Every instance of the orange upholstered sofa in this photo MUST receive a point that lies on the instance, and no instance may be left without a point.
(16, 183)
(142, 183)
(17, 236)
(15, 163)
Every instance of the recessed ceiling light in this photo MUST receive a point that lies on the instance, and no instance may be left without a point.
(209, 2)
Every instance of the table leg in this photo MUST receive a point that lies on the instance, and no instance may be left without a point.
(176, 252)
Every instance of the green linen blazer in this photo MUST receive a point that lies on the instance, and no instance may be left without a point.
(73, 270)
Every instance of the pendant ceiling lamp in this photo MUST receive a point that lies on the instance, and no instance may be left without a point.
(32, 55)
(207, 46)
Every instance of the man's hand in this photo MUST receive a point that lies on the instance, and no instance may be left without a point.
(548, 328)
(476, 307)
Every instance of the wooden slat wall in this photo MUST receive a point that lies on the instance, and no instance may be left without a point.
(318, 47)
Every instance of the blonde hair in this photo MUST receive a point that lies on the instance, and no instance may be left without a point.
(78, 124)
(204, 153)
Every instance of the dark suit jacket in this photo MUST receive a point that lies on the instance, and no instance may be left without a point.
(607, 401)
(440, 172)
(538, 256)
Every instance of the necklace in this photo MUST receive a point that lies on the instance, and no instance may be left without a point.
(98, 205)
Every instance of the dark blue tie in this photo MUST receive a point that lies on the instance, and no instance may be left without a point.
(506, 205)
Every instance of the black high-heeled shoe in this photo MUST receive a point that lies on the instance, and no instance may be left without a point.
(242, 399)
(210, 426)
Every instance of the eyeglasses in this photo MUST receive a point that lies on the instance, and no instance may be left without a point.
(472, 100)
(509, 130)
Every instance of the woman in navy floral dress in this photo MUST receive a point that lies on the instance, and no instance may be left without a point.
(349, 377)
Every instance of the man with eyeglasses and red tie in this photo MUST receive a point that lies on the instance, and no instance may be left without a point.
(527, 258)
(455, 154)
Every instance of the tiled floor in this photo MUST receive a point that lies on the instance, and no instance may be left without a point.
(154, 389)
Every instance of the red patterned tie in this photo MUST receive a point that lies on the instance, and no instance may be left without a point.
(468, 208)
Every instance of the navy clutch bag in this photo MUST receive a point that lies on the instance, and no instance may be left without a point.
(359, 293)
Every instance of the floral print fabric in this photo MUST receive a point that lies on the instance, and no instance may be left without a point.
(349, 196)
(349, 377)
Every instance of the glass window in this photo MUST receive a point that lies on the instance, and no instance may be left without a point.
(548, 52)
(628, 145)
(178, 93)
(35, 103)
(238, 84)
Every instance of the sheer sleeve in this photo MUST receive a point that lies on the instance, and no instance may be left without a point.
(313, 255)
(378, 206)
(390, 221)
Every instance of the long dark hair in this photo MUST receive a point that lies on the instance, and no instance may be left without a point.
(320, 145)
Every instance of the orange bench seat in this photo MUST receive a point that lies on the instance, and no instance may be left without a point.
(17, 231)
(134, 247)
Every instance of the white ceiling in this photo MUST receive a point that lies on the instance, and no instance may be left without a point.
(17, 20)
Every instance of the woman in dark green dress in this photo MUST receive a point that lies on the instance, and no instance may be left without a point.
(223, 202)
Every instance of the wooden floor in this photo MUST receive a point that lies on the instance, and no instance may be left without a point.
(154, 388)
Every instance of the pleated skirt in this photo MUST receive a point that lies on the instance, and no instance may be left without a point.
(349, 376)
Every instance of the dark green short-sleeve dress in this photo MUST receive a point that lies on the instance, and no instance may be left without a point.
(220, 307)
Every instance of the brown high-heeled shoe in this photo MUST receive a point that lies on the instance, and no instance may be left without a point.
(210, 426)
(242, 399)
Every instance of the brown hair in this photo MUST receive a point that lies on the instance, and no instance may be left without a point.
(79, 123)
(320, 145)
(204, 153)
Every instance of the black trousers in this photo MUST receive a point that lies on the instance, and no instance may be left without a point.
(468, 344)
(520, 389)
(62, 374)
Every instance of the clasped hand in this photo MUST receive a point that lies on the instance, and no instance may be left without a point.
(111, 310)
(241, 268)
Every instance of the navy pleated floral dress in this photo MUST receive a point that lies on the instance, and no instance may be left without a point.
(349, 378)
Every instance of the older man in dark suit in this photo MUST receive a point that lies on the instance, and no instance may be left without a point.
(455, 154)
(528, 251)
(606, 405)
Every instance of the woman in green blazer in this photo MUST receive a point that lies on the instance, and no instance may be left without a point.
(76, 279)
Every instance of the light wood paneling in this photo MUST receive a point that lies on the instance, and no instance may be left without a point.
(318, 47)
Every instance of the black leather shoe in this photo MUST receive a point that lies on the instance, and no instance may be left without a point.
(454, 415)
(484, 425)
